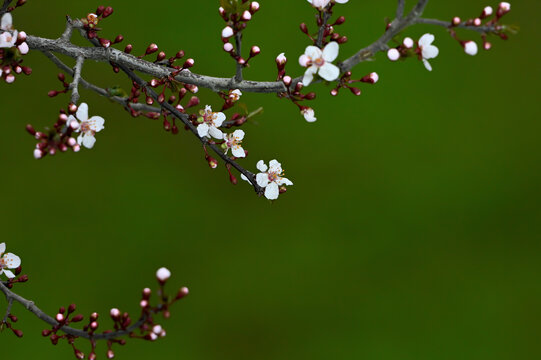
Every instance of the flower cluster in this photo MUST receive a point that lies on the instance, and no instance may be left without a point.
(424, 50)
(12, 47)
(60, 137)
(271, 179)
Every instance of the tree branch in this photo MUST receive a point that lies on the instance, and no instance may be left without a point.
(30, 306)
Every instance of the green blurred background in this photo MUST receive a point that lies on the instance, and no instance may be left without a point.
(412, 231)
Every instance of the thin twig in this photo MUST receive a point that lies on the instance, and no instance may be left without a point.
(400, 9)
(481, 29)
(238, 42)
(322, 28)
(8, 311)
(74, 86)
(124, 101)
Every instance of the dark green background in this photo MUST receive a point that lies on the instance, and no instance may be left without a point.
(412, 231)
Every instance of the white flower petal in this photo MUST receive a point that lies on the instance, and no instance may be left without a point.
(2, 248)
(12, 261)
(82, 112)
(89, 141)
(238, 134)
(313, 52)
(309, 75)
(272, 191)
(284, 181)
(220, 118)
(203, 130)
(262, 179)
(80, 139)
(244, 178)
(329, 72)
(215, 133)
(430, 52)
(261, 166)
(427, 65)
(96, 123)
(426, 40)
(7, 22)
(9, 274)
(330, 52)
(238, 151)
(275, 166)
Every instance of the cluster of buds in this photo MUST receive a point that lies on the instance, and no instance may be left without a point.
(237, 14)
(178, 93)
(91, 21)
(488, 18)
(13, 47)
(59, 138)
(146, 328)
(346, 80)
(329, 32)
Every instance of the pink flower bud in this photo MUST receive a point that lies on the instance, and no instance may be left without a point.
(255, 50)
(163, 274)
(246, 16)
(408, 43)
(254, 6)
(470, 47)
(227, 32)
(287, 80)
(393, 54)
(228, 47)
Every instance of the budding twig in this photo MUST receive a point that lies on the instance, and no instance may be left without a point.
(463, 25)
(238, 42)
(30, 306)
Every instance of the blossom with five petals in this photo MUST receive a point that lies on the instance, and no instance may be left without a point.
(8, 261)
(427, 50)
(270, 178)
(210, 122)
(87, 127)
(319, 61)
(233, 141)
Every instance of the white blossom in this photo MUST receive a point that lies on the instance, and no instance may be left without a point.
(320, 62)
(270, 178)
(428, 51)
(87, 127)
(210, 122)
(8, 261)
(308, 114)
(7, 39)
(234, 95)
(321, 4)
(233, 141)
